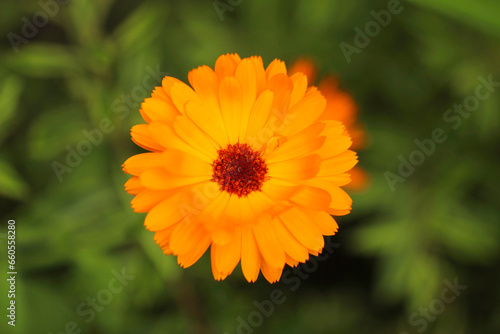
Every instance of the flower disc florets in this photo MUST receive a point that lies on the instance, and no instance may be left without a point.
(239, 170)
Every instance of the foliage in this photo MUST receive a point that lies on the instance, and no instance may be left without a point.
(397, 247)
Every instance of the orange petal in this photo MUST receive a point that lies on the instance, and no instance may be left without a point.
(158, 110)
(301, 226)
(231, 216)
(162, 237)
(290, 244)
(246, 76)
(336, 140)
(222, 236)
(201, 246)
(298, 169)
(161, 179)
(206, 84)
(148, 199)
(304, 112)
(210, 122)
(228, 255)
(166, 136)
(139, 163)
(275, 67)
(231, 104)
(159, 93)
(326, 224)
(236, 57)
(339, 179)
(334, 212)
(218, 275)
(181, 95)
(188, 259)
(271, 274)
(212, 213)
(312, 198)
(250, 255)
(226, 65)
(299, 88)
(260, 73)
(282, 86)
(278, 191)
(181, 163)
(268, 243)
(164, 214)
(299, 145)
(260, 202)
(256, 134)
(340, 200)
(292, 262)
(142, 137)
(185, 237)
(248, 214)
(134, 186)
(338, 164)
(167, 84)
(187, 130)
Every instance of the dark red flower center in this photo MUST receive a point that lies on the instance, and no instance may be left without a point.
(239, 170)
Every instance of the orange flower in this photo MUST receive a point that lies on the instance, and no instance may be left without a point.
(246, 162)
(340, 106)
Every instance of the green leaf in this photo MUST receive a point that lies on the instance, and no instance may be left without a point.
(140, 28)
(482, 15)
(45, 143)
(10, 91)
(44, 61)
(11, 183)
(86, 18)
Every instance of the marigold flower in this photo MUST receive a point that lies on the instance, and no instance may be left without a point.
(340, 106)
(246, 161)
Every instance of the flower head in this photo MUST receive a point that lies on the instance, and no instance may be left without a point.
(244, 162)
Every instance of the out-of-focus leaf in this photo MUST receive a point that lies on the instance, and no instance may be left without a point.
(467, 238)
(141, 27)
(44, 61)
(481, 14)
(488, 118)
(384, 238)
(46, 305)
(320, 13)
(10, 91)
(86, 18)
(424, 279)
(46, 143)
(11, 183)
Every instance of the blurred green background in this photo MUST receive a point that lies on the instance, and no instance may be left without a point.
(398, 250)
